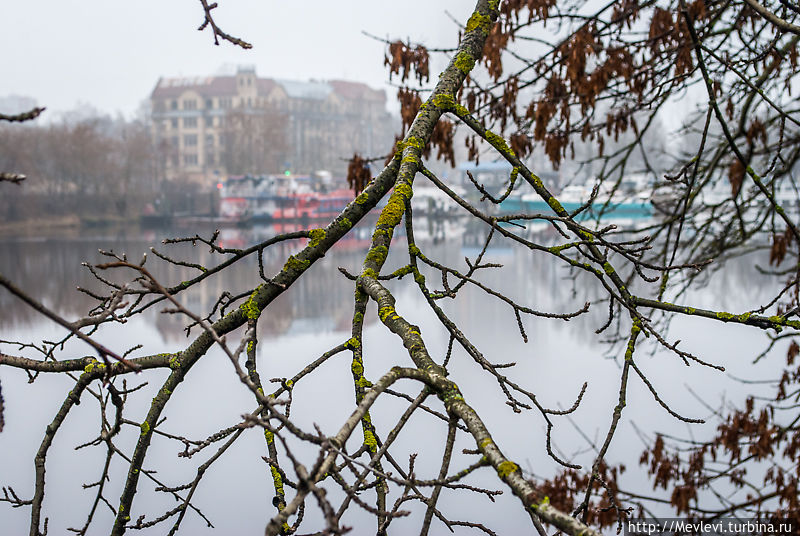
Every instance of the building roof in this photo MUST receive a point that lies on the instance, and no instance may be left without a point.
(265, 86)
(306, 90)
(356, 90)
(215, 86)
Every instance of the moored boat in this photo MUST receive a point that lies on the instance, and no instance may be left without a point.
(278, 198)
(629, 199)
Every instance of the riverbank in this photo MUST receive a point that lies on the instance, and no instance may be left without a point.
(39, 225)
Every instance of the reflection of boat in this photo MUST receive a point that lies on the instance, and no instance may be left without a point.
(435, 203)
(359, 238)
(787, 195)
(667, 197)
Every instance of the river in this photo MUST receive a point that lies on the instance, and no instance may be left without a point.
(315, 315)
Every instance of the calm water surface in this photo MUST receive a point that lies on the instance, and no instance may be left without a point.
(313, 316)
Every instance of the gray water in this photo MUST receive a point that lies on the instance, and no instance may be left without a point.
(313, 316)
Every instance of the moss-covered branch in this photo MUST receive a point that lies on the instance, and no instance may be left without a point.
(764, 322)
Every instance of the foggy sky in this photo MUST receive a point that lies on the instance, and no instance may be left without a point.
(110, 54)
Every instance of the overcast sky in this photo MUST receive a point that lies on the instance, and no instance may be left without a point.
(110, 54)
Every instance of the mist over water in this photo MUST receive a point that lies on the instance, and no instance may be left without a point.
(315, 315)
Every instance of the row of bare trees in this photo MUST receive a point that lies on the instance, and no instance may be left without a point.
(85, 152)
(88, 154)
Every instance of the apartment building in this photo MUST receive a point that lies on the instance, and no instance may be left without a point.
(207, 127)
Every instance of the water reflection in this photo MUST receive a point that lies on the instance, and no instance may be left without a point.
(50, 268)
(314, 315)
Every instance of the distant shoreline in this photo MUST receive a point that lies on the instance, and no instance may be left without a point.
(39, 224)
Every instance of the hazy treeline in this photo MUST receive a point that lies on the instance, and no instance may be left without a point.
(81, 152)
(88, 165)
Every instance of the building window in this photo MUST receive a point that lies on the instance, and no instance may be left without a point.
(173, 141)
(190, 159)
(210, 159)
(190, 140)
(209, 121)
(190, 122)
(225, 102)
(173, 105)
(189, 104)
(174, 122)
(209, 104)
(209, 140)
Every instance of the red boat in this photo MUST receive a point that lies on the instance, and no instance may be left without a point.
(277, 199)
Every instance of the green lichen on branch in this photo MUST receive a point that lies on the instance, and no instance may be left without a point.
(377, 255)
(145, 427)
(464, 62)
(391, 214)
(250, 308)
(315, 237)
(728, 317)
(363, 383)
(345, 224)
(451, 394)
(556, 250)
(277, 480)
(777, 320)
(404, 190)
(555, 205)
(498, 142)
(506, 468)
(411, 157)
(479, 20)
(370, 441)
(608, 269)
(402, 271)
(636, 328)
(385, 312)
(88, 369)
(295, 264)
(411, 141)
(447, 103)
